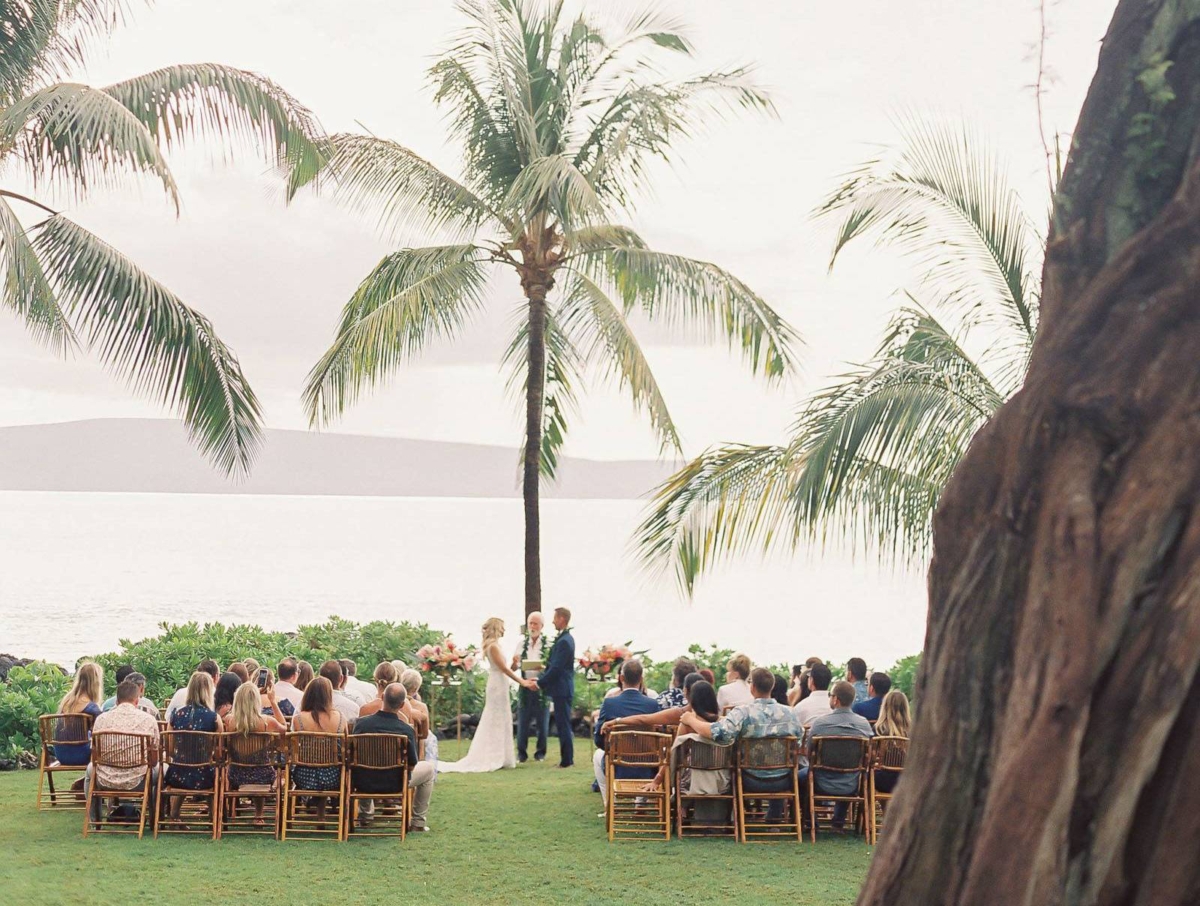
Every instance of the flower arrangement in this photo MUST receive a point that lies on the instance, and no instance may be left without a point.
(446, 659)
(605, 661)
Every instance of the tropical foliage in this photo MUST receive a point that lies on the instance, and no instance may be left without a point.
(27, 693)
(558, 122)
(69, 287)
(869, 455)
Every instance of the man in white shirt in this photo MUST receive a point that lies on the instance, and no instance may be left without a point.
(355, 688)
(530, 705)
(817, 703)
(345, 705)
(285, 687)
(736, 690)
(179, 699)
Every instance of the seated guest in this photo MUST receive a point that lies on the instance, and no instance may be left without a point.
(122, 674)
(673, 697)
(346, 706)
(268, 695)
(763, 717)
(285, 686)
(894, 720)
(427, 741)
(126, 672)
(877, 688)
(196, 715)
(667, 718)
(354, 687)
(736, 690)
(799, 685)
(840, 721)
(246, 718)
(304, 676)
(631, 701)
(227, 687)
(709, 676)
(126, 717)
(84, 698)
(319, 714)
(856, 676)
(238, 669)
(817, 703)
(251, 665)
(209, 666)
(385, 675)
(780, 692)
(421, 773)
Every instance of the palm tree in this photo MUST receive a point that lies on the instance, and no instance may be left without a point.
(558, 123)
(869, 455)
(69, 287)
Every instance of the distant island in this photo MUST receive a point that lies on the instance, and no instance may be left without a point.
(154, 456)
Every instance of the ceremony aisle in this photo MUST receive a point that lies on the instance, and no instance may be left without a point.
(528, 835)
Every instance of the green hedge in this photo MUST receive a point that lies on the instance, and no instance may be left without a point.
(28, 693)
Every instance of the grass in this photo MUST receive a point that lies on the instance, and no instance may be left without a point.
(525, 836)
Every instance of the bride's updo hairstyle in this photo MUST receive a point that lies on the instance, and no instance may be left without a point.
(493, 631)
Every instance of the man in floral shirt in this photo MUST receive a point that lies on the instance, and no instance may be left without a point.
(126, 717)
(674, 697)
(763, 717)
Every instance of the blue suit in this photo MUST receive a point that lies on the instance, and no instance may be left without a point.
(558, 681)
(625, 704)
(870, 708)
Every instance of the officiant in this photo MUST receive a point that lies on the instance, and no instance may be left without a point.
(532, 705)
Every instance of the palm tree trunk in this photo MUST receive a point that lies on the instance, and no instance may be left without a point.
(1057, 746)
(535, 389)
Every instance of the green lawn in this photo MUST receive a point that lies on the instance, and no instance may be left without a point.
(514, 837)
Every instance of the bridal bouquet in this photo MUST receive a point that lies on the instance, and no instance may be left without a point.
(446, 659)
(605, 661)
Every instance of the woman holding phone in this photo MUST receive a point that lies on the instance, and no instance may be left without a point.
(269, 705)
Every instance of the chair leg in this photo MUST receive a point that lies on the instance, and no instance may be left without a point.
(87, 808)
(42, 778)
(812, 809)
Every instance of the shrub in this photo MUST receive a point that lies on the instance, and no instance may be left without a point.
(904, 674)
(28, 693)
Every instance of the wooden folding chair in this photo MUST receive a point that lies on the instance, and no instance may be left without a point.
(241, 754)
(193, 751)
(692, 756)
(887, 758)
(65, 730)
(313, 751)
(380, 754)
(632, 810)
(845, 755)
(778, 755)
(115, 750)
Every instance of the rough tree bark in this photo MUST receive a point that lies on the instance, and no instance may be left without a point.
(536, 285)
(1056, 758)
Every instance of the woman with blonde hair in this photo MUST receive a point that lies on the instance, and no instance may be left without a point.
(85, 697)
(895, 719)
(492, 748)
(245, 718)
(384, 676)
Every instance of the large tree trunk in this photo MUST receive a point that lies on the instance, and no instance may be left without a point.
(1056, 756)
(536, 287)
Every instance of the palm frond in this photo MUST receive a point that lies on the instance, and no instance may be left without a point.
(147, 335)
(27, 292)
(411, 297)
(587, 313)
(944, 200)
(679, 290)
(402, 190)
(552, 185)
(83, 136)
(728, 500)
(181, 103)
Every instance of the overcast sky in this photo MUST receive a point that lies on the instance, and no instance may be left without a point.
(274, 278)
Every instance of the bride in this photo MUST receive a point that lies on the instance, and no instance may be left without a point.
(492, 747)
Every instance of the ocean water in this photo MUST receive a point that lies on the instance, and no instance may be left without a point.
(79, 571)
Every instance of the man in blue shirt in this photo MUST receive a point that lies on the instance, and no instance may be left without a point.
(876, 690)
(629, 702)
(856, 676)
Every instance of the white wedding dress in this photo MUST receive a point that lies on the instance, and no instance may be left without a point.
(492, 748)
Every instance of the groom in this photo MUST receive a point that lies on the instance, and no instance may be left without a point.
(558, 681)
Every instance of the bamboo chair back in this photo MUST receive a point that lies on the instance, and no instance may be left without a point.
(631, 810)
(308, 751)
(242, 755)
(887, 758)
(61, 729)
(378, 752)
(175, 811)
(839, 755)
(769, 753)
(121, 751)
(692, 756)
